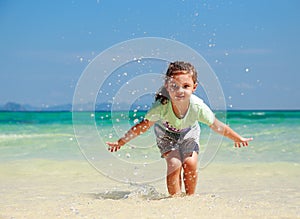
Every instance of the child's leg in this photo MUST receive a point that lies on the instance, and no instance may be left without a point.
(190, 174)
(174, 166)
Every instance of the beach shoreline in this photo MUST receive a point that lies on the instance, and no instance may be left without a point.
(44, 174)
(74, 189)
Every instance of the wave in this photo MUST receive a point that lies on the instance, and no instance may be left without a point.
(103, 117)
(263, 114)
(20, 136)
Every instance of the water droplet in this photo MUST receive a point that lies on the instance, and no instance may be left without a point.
(127, 155)
(135, 121)
(247, 69)
(125, 73)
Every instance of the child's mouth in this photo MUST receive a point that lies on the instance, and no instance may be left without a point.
(179, 97)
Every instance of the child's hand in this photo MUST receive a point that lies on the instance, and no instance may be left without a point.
(114, 146)
(242, 141)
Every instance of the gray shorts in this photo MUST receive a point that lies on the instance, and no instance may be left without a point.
(185, 142)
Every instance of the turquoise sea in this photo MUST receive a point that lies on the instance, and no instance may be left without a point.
(50, 135)
(45, 174)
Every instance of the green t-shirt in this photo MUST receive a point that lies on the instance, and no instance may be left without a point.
(198, 112)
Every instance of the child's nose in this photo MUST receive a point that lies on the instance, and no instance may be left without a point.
(180, 90)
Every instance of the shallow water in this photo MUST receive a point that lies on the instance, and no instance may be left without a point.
(50, 135)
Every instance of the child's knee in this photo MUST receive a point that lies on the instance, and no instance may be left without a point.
(190, 164)
(174, 164)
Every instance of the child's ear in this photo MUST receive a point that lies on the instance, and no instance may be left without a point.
(195, 87)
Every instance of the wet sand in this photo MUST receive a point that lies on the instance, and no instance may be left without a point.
(73, 189)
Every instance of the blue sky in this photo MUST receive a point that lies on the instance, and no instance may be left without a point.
(252, 46)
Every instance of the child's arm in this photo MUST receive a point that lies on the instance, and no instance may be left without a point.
(136, 130)
(225, 130)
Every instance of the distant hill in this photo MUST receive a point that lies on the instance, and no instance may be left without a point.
(12, 106)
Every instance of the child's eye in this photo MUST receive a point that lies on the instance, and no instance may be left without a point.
(186, 86)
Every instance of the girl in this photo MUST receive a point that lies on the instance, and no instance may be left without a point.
(175, 116)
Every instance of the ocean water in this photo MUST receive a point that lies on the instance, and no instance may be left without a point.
(50, 135)
(48, 162)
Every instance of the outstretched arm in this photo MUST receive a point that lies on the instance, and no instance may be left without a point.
(225, 130)
(136, 130)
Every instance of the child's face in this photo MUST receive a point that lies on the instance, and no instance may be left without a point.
(180, 87)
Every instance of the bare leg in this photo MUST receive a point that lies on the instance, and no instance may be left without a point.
(174, 166)
(190, 174)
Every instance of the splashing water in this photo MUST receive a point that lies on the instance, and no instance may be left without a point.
(146, 192)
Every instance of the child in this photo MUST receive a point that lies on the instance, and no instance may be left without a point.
(175, 116)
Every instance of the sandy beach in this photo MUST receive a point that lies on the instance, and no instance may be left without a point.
(73, 189)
